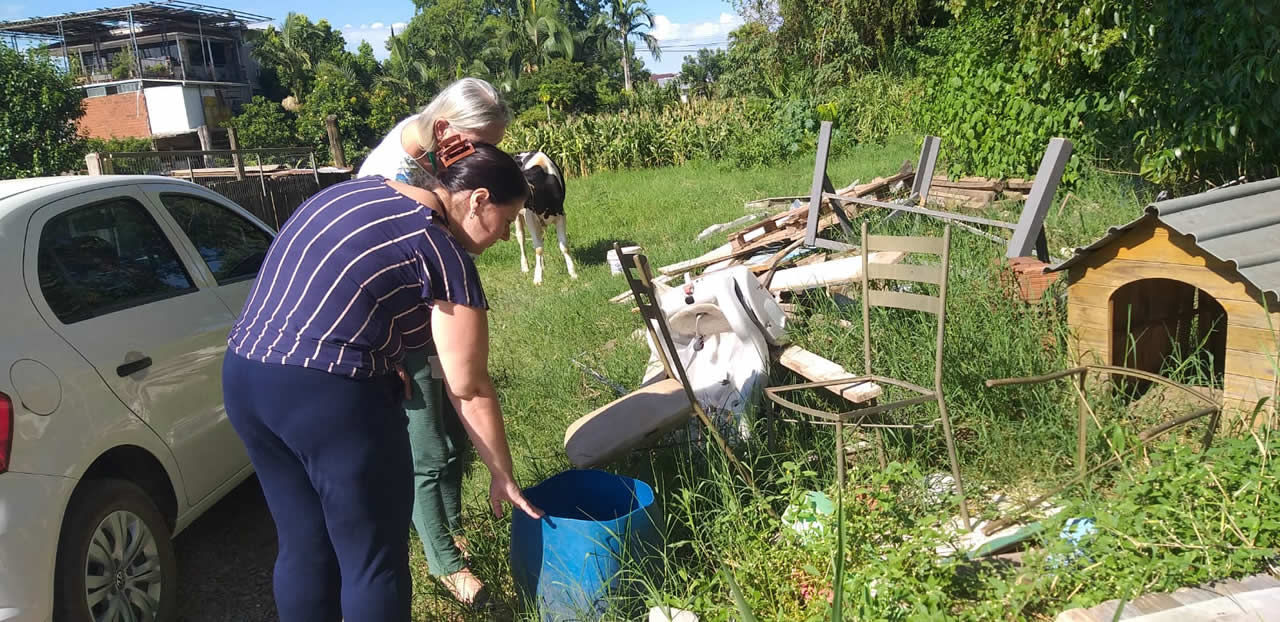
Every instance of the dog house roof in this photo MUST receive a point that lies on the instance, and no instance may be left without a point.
(1239, 225)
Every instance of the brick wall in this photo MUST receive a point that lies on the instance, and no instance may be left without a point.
(121, 115)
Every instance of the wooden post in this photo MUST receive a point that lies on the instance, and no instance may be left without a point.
(335, 141)
(235, 153)
(93, 162)
(206, 143)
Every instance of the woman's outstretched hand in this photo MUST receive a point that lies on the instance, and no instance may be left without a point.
(505, 490)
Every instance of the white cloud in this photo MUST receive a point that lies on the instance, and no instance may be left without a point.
(376, 34)
(11, 11)
(675, 33)
(664, 29)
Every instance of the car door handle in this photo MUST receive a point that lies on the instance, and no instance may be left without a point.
(132, 367)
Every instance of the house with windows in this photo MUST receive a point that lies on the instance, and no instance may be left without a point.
(156, 70)
(1191, 287)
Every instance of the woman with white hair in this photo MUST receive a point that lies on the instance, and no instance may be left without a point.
(471, 109)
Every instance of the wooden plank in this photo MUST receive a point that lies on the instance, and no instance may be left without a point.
(818, 369)
(881, 184)
(910, 244)
(1251, 364)
(1018, 184)
(629, 422)
(982, 196)
(782, 235)
(717, 254)
(906, 272)
(1219, 283)
(1088, 316)
(1261, 340)
(969, 183)
(903, 300)
(1088, 294)
(658, 282)
(845, 270)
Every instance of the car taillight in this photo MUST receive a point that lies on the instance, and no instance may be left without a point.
(6, 431)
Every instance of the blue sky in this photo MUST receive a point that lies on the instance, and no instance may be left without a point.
(681, 25)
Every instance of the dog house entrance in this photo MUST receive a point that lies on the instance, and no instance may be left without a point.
(1169, 328)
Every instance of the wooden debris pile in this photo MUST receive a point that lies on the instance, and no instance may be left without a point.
(977, 192)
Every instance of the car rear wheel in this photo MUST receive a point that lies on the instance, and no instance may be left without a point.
(115, 558)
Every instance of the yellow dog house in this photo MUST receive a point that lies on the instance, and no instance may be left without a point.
(1194, 280)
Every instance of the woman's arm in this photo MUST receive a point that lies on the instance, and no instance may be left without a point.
(461, 335)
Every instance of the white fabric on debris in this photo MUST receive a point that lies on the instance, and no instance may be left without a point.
(729, 371)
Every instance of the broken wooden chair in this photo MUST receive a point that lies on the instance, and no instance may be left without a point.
(641, 417)
(935, 274)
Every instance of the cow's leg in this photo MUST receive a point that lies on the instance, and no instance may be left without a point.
(524, 263)
(562, 233)
(535, 231)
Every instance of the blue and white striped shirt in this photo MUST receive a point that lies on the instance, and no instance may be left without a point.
(348, 284)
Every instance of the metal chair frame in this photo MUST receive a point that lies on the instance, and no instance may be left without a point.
(873, 297)
(639, 275)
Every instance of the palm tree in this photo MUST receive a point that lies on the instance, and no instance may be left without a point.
(543, 29)
(627, 18)
(403, 74)
(285, 50)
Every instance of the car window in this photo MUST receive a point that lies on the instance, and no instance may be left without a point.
(232, 246)
(106, 257)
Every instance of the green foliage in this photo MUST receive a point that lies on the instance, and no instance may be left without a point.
(446, 37)
(1185, 92)
(562, 84)
(630, 18)
(994, 113)
(38, 133)
(746, 132)
(337, 92)
(754, 64)
(703, 71)
(123, 65)
(117, 145)
(819, 45)
(386, 109)
(264, 124)
(294, 52)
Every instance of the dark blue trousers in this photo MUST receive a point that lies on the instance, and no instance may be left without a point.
(333, 458)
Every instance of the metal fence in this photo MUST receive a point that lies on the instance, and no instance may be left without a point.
(270, 183)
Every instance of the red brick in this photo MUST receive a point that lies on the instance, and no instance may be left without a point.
(123, 115)
(1025, 278)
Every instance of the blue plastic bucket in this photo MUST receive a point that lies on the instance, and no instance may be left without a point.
(596, 523)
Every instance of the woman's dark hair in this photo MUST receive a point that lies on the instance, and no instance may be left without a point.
(489, 167)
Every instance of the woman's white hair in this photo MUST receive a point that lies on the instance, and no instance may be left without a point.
(469, 105)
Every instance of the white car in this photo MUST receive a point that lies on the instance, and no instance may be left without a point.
(118, 295)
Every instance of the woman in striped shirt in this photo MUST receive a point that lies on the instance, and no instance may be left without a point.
(470, 108)
(364, 271)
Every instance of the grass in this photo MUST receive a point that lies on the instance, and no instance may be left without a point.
(1015, 441)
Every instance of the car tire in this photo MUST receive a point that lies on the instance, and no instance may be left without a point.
(114, 551)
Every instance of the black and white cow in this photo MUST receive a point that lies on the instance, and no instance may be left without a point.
(546, 205)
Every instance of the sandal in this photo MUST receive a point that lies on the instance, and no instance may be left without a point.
(466, 588)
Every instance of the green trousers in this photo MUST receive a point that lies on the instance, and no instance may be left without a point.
(438, 442)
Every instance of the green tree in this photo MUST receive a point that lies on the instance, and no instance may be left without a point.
(451, 37)
(295, 51)
(404, 76)
(544, 31)
(754, 65)
(701, 72)
(38, 133)
(338, 92)
(264, 123)
(628, 18)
